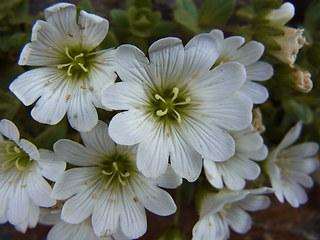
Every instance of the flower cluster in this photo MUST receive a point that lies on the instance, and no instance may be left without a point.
(175, 111)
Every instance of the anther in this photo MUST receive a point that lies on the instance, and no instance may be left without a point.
(104, 172)
(158, 97)
(161, 113)
(78, 56)
(115, 166)
(63, 65)
(186, 101)
(175, 91)
(178, 118)
(69, 70)
(16, 149)
(68, 54)
(123, 183)
(83, 67)
(125, 175)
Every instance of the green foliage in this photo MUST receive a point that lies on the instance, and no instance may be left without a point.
(215, 12)
(187, 21)
(172, 233)
(142, 21)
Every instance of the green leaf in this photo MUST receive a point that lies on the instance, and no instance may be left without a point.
(312, 17)
(142, 3)
(163, 28)
(120, 18)
(188, 6)
(110, 41)
(187, 21)
(85, 5)
(216, 11)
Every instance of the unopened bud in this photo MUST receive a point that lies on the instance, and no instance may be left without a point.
(281, 15)
(289, 42)
(301, 81)
(257, 121)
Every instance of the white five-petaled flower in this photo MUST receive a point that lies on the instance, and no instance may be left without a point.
(242, 166)
(71, 73)
(228, 208)
(22, 186)
(231, 49)
(177, 107)
(66, 231)
(289, 167)
(107, 186)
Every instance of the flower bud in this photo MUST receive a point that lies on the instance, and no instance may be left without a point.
(257, 121)
(289, 43)
(282, 15)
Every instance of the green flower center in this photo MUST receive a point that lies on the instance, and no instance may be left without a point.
(12, 155)
(170, 105)
(76, 63)
(117, 169)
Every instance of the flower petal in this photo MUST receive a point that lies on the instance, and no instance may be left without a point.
(238, 219)
(259, 71)
(254, 203)
(255, 91)
(44, 48)
(73, 181)
(200, 54)
(79, 207)
(185, 161)
(166, 60)
(220, 82)
(302, 150)
(210, 141)
(63, 17)
(129, 127)
(124, 95)
(131, 64)
(9, 130)
(19, 203)
(106, 213)
(94, 29)
(133, 219)
(248, 53)
(233, 113)
(53, 104)
(30, 149)
(39, 190)
(153, 198)
(212, 173)
(291, 136)
(29, 86)
(82, 114)
(153, 153)
(169, 179)
(75, 153)
(50, 166)
(98, 139)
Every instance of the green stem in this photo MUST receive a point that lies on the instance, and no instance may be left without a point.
(178, 203)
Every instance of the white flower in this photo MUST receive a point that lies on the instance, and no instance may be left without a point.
(233, 49)
(71, 73)
(242, 166)
(289, 167)
(65, 231)
(177, 107)
(22, 186)
(281, 15)
(228, 208)
(107, 186)
(285, 41)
